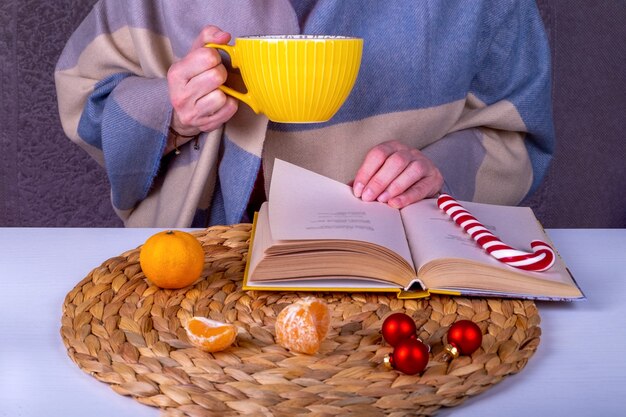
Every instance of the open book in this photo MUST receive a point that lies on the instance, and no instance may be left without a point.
(313, 234)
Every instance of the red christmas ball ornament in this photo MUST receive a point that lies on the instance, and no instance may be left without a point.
(398, 327)
(464, 337)
(409, 356)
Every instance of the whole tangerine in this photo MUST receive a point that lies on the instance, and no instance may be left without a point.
(172, 259)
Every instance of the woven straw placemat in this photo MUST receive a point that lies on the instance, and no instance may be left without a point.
(128, 334)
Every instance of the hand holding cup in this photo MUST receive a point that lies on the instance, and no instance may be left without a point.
(295, 78)
(194, 81)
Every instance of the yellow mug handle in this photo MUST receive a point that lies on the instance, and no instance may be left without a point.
(245, 97)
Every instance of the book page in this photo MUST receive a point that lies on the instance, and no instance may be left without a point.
(329, 283)
(260, 240)
(306, 205)
(432, 235)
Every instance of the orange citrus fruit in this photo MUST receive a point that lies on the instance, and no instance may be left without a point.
(303, 325)
(210, 335)
(172, 259)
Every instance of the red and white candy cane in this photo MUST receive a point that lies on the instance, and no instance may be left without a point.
(540, 259)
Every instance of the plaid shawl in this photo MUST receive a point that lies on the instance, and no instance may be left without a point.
(467, 82)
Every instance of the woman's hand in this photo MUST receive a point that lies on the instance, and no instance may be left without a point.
(395, 174)
(199, 106)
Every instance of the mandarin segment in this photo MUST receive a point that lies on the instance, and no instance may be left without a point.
(210, 335)
(303, 325)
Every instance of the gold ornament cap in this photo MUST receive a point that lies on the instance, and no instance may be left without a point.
(387, 362)
(453, 351)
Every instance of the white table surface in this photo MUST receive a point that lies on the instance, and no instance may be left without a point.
(579, 368)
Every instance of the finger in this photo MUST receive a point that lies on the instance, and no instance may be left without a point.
(209, 104)
(373, 161)
(210, 34)
(393, 167)
(224, 114)
(196, 112)
(207, 82)
(414, 172)
(199, 58)
(424, 188)
(194, 64)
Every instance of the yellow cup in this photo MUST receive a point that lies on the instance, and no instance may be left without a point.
(295, 78)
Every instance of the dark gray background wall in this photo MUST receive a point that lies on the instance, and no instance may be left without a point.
(586, 185)
(45, 180)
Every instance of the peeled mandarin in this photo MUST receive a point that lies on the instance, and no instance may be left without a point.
(303, 325)
(210, 335)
